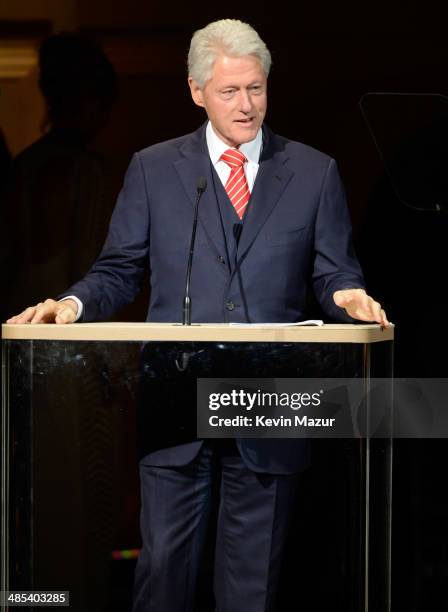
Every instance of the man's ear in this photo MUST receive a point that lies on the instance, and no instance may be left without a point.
(196, 92)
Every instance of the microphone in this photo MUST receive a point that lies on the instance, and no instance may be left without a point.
(201, 186)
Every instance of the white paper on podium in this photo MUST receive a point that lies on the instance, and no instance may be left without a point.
(296, 324)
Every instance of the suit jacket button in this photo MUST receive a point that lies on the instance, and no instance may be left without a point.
(221, 259)
(230, 306)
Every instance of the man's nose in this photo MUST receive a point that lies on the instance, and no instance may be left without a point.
(245, 103)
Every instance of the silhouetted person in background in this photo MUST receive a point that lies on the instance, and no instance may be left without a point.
(59, 200)
(6, 255)
(5, 159)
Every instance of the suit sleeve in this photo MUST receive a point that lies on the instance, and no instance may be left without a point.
(115, 278)
(335, 264)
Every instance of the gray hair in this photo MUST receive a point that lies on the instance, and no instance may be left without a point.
(229, 37)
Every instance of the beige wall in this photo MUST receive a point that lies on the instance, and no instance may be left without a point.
(21, 105)
(21, 110)
(62, 13)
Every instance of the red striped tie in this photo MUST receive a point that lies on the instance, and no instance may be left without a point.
(236, 186)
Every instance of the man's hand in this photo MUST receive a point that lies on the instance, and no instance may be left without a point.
(49, 311)
(360, 306)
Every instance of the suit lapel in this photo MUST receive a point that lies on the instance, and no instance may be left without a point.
(195, 162)
(272, 178)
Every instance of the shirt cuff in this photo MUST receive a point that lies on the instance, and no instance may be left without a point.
(78, 303)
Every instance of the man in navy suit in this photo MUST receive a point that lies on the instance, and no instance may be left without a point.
(253, 262)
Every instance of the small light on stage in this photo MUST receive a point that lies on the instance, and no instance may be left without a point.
(119, 555)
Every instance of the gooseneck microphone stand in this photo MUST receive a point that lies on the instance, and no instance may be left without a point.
(186, 306)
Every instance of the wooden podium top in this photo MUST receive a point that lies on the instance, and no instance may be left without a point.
(206, 332)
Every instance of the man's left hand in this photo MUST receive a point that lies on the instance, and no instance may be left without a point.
(360, 306)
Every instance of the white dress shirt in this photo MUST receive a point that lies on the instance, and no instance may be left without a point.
(252, 150)
(216, 148)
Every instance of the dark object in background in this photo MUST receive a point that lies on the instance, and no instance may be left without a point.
(59, 196)
(402, 249)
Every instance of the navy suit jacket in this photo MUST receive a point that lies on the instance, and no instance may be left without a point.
(296, 238)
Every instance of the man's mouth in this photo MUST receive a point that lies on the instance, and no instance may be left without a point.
(245, 121)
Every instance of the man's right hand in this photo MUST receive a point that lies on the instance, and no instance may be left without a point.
(49, 311)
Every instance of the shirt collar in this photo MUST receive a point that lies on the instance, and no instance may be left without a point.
(216, 146)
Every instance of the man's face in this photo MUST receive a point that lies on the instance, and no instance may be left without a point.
(234, 98)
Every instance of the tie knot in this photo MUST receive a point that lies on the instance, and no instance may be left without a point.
(233, 158)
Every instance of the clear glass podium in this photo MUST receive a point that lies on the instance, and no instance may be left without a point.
(72, 432)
